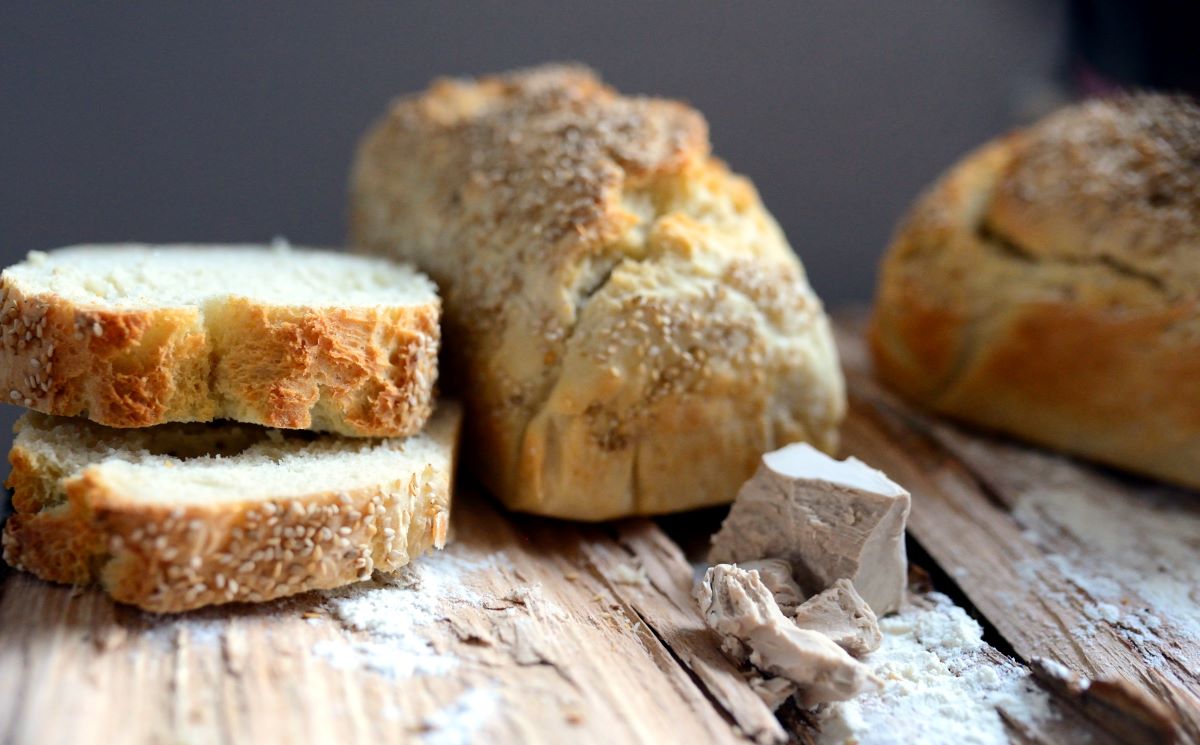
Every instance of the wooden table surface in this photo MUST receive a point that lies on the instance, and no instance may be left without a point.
(532, 630)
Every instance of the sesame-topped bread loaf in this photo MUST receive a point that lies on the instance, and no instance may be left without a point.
(179, 516)
(1049, 287)
(626, 322)
(132, 336)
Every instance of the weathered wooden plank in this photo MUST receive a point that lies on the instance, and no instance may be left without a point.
(532, 633)
(1069, 563)
(541, 631)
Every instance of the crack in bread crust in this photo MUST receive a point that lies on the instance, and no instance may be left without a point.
(1048, 287)
(541, 200)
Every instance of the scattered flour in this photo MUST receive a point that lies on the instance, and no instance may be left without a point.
(1131, 570)
(397, 658)
(939, 687)
(460, 722)
(392, 609)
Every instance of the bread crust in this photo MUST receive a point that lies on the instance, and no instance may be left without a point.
(80, 529)
(1047, 287)
(626, 322)
(366, 372)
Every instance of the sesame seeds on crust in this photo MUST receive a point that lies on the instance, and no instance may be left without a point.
(172, 555)
(599, 269)
(1113, 180)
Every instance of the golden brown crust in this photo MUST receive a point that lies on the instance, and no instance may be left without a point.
(629, 326)
(76, 528)
(1047, 287)
(360, 372)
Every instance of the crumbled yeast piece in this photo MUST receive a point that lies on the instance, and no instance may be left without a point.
(773, 691)
(841, 614)
(742, 610)
(828, 519)
(776, 574)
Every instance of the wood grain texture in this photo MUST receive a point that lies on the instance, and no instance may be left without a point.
(533, 630)
(1066, 561)
(563, 640)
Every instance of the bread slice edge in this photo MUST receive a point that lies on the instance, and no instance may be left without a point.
(74, 528)
(357, 371)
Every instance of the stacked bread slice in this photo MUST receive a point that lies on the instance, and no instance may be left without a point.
(218, 424)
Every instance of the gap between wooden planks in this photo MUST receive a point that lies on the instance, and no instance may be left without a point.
(543, 632)
(994, 516)
(562, 641)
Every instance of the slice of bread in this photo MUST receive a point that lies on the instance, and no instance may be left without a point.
(180, 516)
(133, 336)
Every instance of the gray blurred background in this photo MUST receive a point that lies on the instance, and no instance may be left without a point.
(235, 121)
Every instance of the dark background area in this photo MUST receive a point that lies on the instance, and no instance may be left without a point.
(224, 121)
(234, 121)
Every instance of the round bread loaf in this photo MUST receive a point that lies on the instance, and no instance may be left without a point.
(627, 323)
(1047, 287)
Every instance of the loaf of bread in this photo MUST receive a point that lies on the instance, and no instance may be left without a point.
(180, 516)
(627, 324)
(1047, 287)
(132, 336)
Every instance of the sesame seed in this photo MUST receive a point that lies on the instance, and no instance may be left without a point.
(97, 329)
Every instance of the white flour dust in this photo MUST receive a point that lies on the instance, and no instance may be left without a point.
(939, 686)
(1120, 558)
(460, 722)
(1130, 556)
(391, 610)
